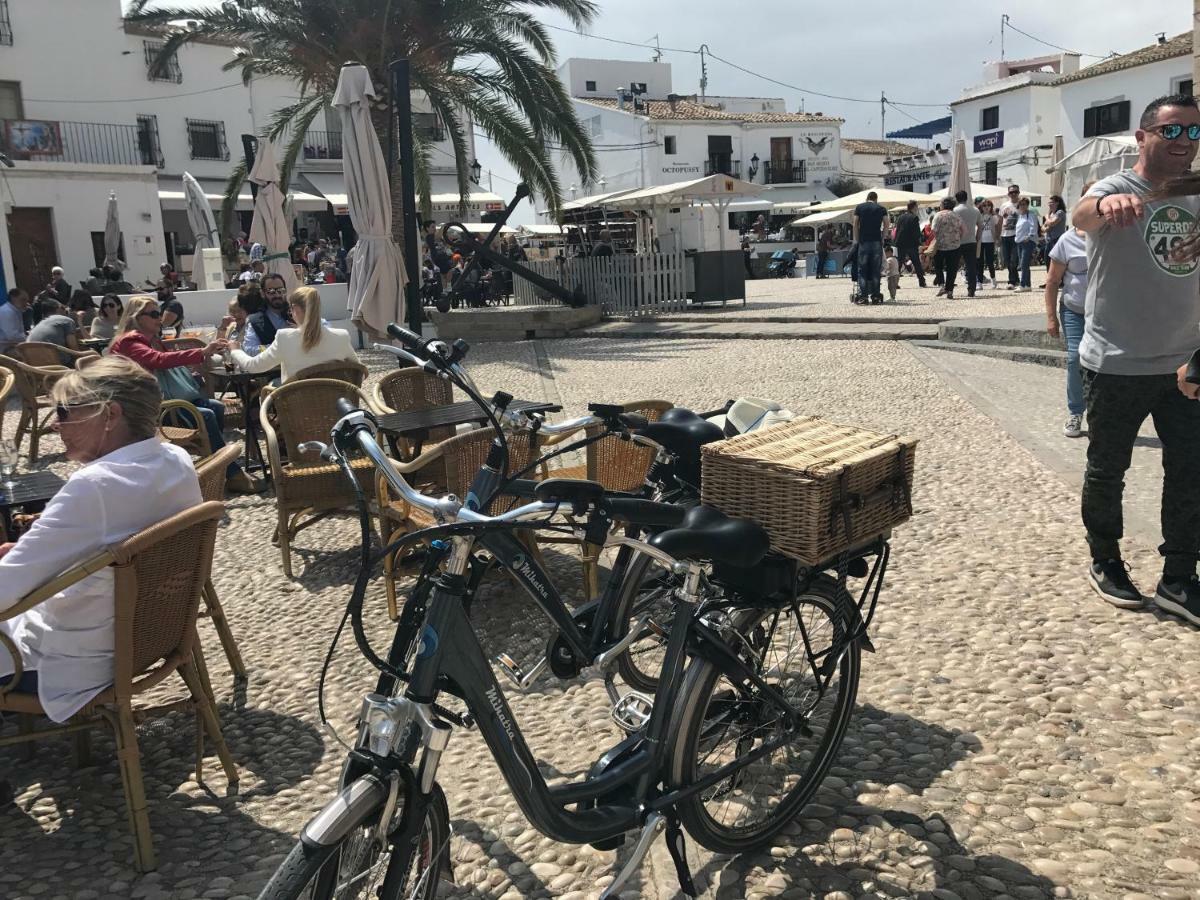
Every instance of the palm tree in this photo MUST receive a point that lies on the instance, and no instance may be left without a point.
(486, 61)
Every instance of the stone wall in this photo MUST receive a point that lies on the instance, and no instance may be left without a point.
(512, 323)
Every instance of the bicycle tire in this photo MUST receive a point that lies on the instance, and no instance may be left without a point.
(312, 872)
(699, 692)
(642, 594)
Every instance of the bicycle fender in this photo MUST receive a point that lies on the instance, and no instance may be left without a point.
(349, 808)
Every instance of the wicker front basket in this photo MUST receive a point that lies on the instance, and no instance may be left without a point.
(816, 487)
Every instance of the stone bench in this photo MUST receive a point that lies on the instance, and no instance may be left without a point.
(512, 323)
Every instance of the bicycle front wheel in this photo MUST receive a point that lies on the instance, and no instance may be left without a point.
(800, 652)
(647, 592)
(354, 868)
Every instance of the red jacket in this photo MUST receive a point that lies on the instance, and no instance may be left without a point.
(136, 346)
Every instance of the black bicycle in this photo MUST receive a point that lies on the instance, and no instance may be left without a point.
(756, 688)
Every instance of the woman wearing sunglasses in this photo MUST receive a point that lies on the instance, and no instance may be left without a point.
(107, 418)
(138, 339)
(105, 324)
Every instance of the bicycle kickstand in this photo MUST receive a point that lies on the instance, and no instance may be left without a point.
(675, 846)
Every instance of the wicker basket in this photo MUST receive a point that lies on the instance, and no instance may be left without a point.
(816, 487)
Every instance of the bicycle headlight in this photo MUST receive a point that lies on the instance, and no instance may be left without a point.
(385, 722)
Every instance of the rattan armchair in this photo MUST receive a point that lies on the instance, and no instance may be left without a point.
(349, 370)
(181, 424)
(8, 381)
(33, 384)
(460, 458)
(211, 473)
(307, 489)
(412, 389)
(619, 466)
(158, 575)
(40, 353)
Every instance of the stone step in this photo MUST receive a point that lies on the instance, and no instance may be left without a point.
(764, 318)
(1004, 331)
(1037, 355)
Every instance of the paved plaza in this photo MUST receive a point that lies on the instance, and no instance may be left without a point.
(1014, 737)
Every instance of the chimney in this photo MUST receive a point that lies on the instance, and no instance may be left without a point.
(672, 101)
(1162, 37)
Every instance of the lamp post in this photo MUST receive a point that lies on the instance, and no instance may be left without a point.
(753, 166)
(476, 171)
(402, 121)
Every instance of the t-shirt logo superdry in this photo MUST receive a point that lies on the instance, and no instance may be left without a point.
(1166, 228)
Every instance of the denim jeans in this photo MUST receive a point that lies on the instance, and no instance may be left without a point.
(870, 264)
(1072, 329)
(213, 414)
(1025, 251)
(1009, 243)
(970, 266)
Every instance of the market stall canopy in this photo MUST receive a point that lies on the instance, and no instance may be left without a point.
(1097, 158)
(172, 197)
(834, 215)
(595, 200)
(713, 188)
(975, 189)
(888, 197)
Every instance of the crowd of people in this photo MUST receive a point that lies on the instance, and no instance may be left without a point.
(449, 279)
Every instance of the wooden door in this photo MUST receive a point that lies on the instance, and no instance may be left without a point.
(31, 235)
(781, 160)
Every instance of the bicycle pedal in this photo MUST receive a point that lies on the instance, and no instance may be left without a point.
(632, 711)
(520, 679)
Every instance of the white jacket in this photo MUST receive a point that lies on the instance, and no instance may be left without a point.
(68, 639)
(286, 352)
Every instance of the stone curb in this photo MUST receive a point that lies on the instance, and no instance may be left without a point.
(1053, 358)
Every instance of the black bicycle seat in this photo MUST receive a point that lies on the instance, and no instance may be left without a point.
(683, 433)
(576, 491)
(707, 533)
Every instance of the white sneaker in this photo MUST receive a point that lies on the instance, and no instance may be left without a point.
(1074, 426)
(1026, 290)
(993, 284)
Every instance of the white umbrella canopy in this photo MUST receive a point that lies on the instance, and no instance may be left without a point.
(270, 226)
(377, 279)
(112, 233)
(201, 220)
(888, 197)
(960, 176)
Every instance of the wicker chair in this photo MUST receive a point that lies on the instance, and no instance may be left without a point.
(307, 489)
(181, 424)
(619, 466)
(411, 389)
(349, 370)
(7, 382)
(38, 353)
(460, 458)
(33, 384)
(158, 575)
(211, 473)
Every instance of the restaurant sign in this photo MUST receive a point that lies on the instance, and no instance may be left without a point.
(913, 176)
(819, 150)
(993, 140)
(682, 169)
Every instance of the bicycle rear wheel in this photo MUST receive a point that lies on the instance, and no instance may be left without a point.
(796, 650)
(647, 590)
(354, 868)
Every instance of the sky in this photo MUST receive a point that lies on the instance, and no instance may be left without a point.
(853, 50)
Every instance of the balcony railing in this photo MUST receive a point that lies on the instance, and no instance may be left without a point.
(785, 173)
(732, 167)
(39, 140)
(323, 145)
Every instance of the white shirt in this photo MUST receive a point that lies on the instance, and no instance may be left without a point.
(68, 639)
(1071, 251)
(12, 325)
(287, 352)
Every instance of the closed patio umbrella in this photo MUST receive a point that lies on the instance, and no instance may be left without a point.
(203, 224)
(1058, 174)
(376, 295)
(112, 233)
(270, 226)
(960, 176)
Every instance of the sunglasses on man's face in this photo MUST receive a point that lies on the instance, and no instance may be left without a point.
(1173, 130)
(152, 313)
(275, 292)
(63, 411)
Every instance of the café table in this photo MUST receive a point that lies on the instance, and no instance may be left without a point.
(31, 493)
(245, 385)
(415, 425)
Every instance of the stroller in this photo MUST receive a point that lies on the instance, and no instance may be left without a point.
(782, 264)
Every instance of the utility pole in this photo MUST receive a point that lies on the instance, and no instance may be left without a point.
(1003, 22)
(883, 114)
(657, 49)
(703, 71)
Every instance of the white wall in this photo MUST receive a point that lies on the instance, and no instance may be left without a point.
(610, 74)
(207, 308)
(1139, 86)
(1028, 118)
(78, 199)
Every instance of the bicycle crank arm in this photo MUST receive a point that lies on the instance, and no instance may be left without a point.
(655, 825)
(609, 656)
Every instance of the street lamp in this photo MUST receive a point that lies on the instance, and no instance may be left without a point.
(573, 189)
(753, 166)
(476, 171)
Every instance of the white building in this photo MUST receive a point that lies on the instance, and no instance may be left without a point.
(645, 135)
(94, 122)
(867, 160)
(1010, 120)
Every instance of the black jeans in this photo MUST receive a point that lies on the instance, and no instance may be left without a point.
(913, 252)
(822, 259)
(1010, 259)
(970, 270)
(948, 264)
(987, 260)
(1117, 405)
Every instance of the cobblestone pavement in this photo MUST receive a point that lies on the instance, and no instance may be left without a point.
(1015, 737)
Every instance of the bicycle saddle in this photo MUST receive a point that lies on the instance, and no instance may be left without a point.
(707, 533)
(576, 491)
(683, 433)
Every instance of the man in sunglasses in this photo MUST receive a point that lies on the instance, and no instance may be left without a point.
(1143, 323)
(266, 322)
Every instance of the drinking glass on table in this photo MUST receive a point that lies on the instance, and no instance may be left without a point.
(8, 464)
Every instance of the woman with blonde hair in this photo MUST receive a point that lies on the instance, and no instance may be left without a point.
(310, 343)
(107, 416)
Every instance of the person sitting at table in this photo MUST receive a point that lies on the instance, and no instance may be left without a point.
(129, 480)
(137, 339)
(83, 308)
(275, 315)
(54, 326)
(104, 326)
(233, 326)
(310, 343)
(171, 308)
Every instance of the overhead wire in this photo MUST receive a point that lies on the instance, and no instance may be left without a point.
(1008, 24)
(223, 87)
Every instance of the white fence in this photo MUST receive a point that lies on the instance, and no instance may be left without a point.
(626, 285)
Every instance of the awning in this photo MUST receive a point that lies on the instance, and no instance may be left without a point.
(712, 188)
(486, 228)
(817, 218)
(794, 197)
(749, 206)
(171, 196)
(333, 188)
(925, 130)
(595, 200)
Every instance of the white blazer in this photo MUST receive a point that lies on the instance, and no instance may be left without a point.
(68, 639)
(286, 353)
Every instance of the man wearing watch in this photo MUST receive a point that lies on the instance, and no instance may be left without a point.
(1143, 323)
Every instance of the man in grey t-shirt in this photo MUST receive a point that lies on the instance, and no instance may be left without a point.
(1143, 323)
(970, 216)
(56, 327)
